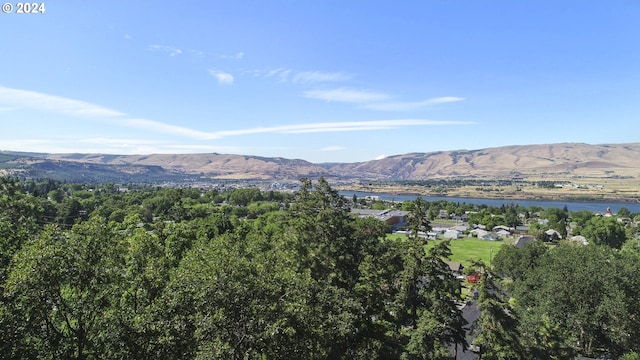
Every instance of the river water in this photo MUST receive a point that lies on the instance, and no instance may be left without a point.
(598, 207)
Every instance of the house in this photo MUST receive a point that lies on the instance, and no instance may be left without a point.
(451, 234)
(552, 235)
(421, 234)
(442, 214)
(579, 239)
(459, 228)
(491, 237)
(503, 233)
(455, 267)
(479, 233)
(523, 240)
(439, 229)
(393, 218)
(523, 229)
(501, 227)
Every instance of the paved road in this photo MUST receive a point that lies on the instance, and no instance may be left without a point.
(470, 313)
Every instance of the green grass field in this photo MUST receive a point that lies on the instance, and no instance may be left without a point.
(466, 250)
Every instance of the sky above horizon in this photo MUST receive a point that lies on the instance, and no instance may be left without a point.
(323, 81)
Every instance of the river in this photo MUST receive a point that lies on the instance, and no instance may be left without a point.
(598, 207)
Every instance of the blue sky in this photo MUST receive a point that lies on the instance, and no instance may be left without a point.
(324, 81)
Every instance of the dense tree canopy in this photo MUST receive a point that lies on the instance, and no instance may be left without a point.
(116, 272)
(180, 274)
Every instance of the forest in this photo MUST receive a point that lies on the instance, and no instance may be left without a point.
(107, 272)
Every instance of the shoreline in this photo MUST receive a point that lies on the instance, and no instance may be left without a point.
(540, 195)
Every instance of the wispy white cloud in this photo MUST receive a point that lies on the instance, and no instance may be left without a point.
(6, 108)
(269, 73)
(329, 127)
(280, 74)
(406, 106)
(127, 37)
(197, 53)
(172, 51)
(333, 148)
(123, 146)
(40, 101)
(346, 95)
(14, 98)
(160, 127)
(155, 126)
(301, 77)
(236, 56)
(308, 77)
(444, 99)
(222, 77)
(146, 146)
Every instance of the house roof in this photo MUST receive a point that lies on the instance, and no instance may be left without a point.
(455, 266)
(579, 239)
(501, 227)
(479, 232)
(490, 236)
(523, 240)
(380, 214)
(461, 228)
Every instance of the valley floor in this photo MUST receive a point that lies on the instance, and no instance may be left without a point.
(616, 190)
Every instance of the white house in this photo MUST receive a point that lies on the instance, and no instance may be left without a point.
(479, 233)
(503, 233)
(451, 234)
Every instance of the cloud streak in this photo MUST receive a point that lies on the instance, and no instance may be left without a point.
(406, 106)
(309, 77)
(236, 56)
(161, 127)
(123, 146)
(302, 77)
(327, 127)
(40, 101)
(224, 78)
(14, 98)
(172, 51)
(346, 95)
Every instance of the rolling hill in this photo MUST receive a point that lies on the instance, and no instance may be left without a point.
(565, 160)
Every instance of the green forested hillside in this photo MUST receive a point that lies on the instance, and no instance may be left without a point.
(103, 272)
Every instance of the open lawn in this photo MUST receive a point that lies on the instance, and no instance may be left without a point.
(467, 250)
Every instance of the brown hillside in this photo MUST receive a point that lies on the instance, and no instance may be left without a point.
(555, 160)
(213, 165)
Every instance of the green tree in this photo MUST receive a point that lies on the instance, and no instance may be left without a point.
(242, 197)
(498, 337)
(414, 261)
(19, 216)
(580, 294)
(514, 263)
(61, 290)
(608, 231)
(440, 322)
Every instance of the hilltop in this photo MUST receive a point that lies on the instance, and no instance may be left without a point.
(548, 161)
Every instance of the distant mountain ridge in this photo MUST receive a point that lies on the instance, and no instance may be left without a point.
(548, 160)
